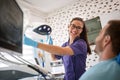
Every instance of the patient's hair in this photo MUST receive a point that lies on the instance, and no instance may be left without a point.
(114, 31)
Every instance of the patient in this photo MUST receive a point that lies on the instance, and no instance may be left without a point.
(108, 48)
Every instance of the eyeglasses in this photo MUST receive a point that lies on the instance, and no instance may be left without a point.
(73, 26)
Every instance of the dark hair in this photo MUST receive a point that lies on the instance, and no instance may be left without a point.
(114, 30)
(83, 35)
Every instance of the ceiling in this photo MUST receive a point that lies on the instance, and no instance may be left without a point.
(45, 6)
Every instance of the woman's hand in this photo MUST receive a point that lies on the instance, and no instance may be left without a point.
(30, 42)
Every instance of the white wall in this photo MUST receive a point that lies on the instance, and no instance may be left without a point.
(109, 16)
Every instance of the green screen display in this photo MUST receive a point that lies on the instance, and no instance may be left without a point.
(93, 28)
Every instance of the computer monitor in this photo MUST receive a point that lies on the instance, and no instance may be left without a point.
(11, 27)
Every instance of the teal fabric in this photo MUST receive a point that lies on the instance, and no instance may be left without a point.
(30, 42)
(105, 70)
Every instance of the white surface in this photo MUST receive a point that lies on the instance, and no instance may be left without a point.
(58, 70)
(109, 16)
(46, 6)
(57, 67)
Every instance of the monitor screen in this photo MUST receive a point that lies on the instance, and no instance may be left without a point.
(11, 27)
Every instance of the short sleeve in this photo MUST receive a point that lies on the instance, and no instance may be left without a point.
(79, 47)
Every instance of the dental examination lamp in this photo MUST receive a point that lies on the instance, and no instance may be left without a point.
(43, 31)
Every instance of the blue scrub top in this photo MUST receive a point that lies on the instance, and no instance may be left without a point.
(75, 65)
(105, 70)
